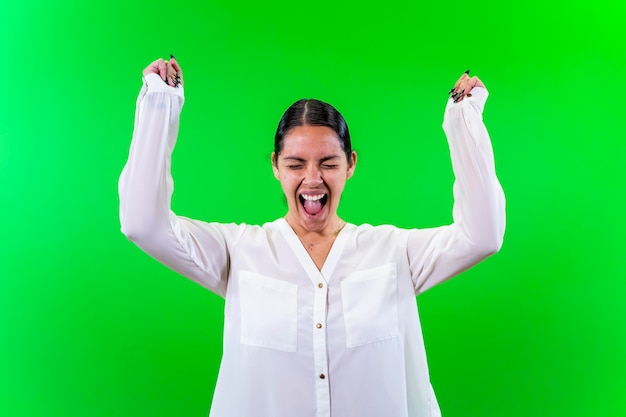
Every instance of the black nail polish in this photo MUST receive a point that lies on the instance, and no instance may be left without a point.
(172, 56)
(451, 91)
(467, 72)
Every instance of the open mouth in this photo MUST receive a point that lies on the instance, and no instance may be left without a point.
(313, 203)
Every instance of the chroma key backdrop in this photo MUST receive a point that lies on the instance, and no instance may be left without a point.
(92, 327)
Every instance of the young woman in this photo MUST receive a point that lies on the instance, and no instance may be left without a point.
(320, 316)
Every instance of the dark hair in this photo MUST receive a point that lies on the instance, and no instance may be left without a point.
(311, 112)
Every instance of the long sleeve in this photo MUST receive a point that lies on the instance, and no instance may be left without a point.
(195, 249)
(479, 206)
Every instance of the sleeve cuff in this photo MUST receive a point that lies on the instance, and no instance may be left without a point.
(156, 85)
(477, 100)
(479, 97)
(480, 94)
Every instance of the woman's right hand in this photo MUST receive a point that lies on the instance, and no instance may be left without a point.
(169, 71)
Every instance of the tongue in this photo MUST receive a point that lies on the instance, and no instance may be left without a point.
(313, 207)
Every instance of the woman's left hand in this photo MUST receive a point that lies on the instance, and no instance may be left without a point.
(463, 87)
(169, 71)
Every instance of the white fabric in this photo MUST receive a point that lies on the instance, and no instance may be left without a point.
(286, 323)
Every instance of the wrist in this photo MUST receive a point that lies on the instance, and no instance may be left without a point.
(155, 84)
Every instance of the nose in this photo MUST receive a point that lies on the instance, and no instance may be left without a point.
(312, 176)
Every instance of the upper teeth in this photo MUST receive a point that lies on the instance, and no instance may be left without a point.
(312, 197)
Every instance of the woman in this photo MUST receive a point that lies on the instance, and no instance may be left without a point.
(320, 315)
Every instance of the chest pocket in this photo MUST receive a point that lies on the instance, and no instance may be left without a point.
(370, 305)
(269, 310)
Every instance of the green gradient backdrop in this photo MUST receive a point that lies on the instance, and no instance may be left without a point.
(90, 326)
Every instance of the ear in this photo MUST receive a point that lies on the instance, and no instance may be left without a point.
(275, 166)
(352, 166)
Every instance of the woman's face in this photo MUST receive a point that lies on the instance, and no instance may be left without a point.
(312, 170)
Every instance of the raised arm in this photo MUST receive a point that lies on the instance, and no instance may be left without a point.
(195, 249)
(479, 206)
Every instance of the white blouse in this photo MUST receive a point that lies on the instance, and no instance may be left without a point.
(345, 341)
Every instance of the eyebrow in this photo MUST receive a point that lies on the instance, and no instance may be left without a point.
(299, 159)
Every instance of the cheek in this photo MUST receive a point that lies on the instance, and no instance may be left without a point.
(287, 183)
(342, 180)
(289, 178)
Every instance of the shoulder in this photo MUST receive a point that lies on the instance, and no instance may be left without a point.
(251, 232)
(380, 233)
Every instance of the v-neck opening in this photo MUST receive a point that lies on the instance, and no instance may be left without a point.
(334, 254)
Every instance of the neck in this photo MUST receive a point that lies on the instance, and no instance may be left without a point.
(315, 242)
(331, 228)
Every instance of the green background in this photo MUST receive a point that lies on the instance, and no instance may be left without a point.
(91, 326)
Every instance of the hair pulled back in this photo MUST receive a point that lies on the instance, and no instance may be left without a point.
(312, 112)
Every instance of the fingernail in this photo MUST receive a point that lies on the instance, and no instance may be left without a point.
(172, 56)
(461, 93)
(450, 92)
(466, 72)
